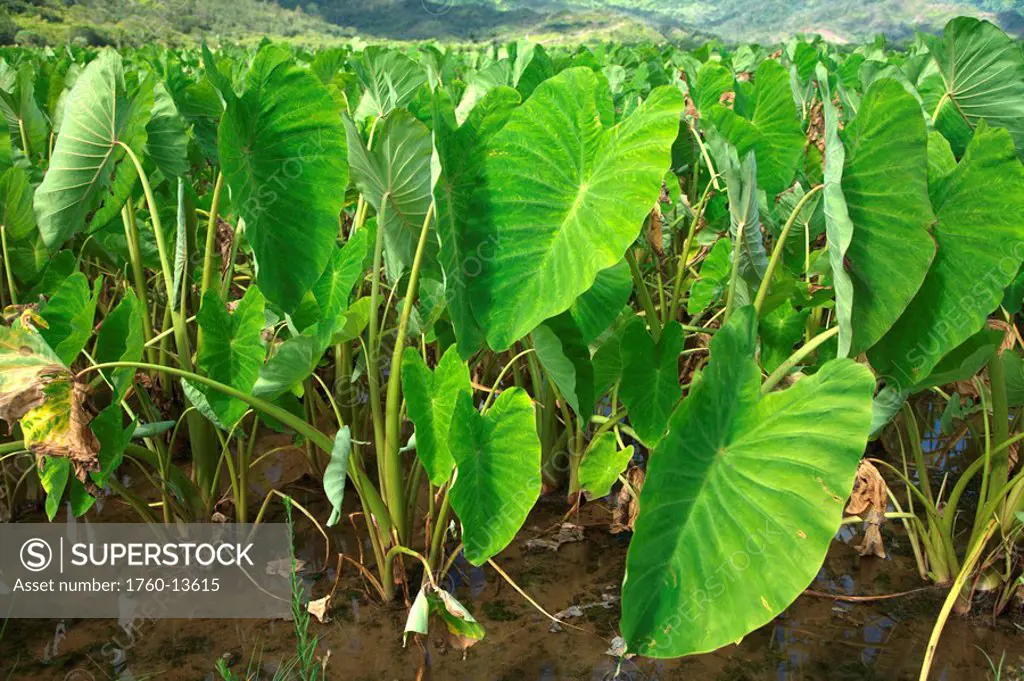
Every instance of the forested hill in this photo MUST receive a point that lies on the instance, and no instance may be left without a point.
(101, 22)
(763, 20)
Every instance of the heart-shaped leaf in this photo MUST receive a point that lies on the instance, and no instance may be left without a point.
(283, 154)
(559, 184)
(430, 398)
(742, 498)
(498, 481)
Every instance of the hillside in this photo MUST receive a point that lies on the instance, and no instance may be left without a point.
(762, 20)
(101, 22)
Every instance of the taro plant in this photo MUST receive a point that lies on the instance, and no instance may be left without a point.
(456, 280)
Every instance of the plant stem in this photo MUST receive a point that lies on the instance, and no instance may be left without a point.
(780, 244)
(7, 266)
(954, 593)
(203, 454)
(796, 358)
(440, 528)
(677, 290)
(393, 467)
(1000, 464)
(370, 500)
(373, 348)
(211, 238)
(644, 295)
(131, 235)
(734, 275)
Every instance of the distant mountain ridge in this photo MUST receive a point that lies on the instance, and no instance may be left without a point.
(739, 20)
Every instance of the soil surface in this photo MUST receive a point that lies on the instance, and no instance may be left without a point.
(816, 638)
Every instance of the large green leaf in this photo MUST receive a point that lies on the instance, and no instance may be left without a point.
(781, 142)
(498, 481)
(394, 177)
(559, 184)
(983, 72)
(282, 149)
(460, 156)
(742, 499)
(980, 232)
(430, 398)
(84, 174)
(650, 378)
(885, 183)
(166, 139)
(232, 349)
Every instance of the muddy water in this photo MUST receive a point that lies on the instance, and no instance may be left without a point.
(817, 638)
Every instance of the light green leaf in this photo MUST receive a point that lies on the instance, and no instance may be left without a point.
(980, 232)
(22, 112)
(713, 81)
(389, 78)
(355, 320)
(419, 615)
(602, 464)
(16, 195)
(99, 117)
(460, 623)
(282, 149)
(566, 359)
(742, 499)
(69, 315)
(885, 182)
(394, 177)
(650, 378)
(430, 399)
(460, 158)
(120, 339)
(983, 72)
(232, 349)
(343, 271)
(713, 280)
(335, 473)
(839, 228)
(558, 184)
(498, 481)
(54, 478)
(166, 139)
(781, 329)
(293, 362)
